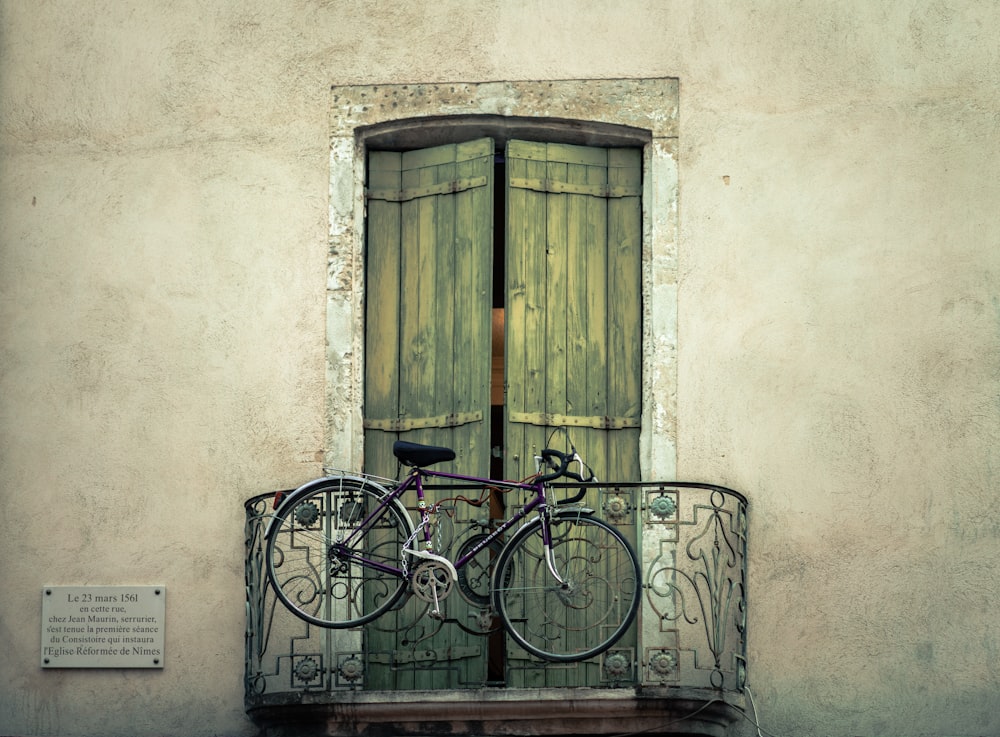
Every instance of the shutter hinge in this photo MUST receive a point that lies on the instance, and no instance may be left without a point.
(413, 193)
(555, 186)
(550, 419)
(418, 423)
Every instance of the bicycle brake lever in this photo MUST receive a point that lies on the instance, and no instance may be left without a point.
(583, 466)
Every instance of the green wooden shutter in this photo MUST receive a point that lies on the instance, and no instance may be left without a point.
(427, 359)
(573, 347)
(573, 340)
(427, 352)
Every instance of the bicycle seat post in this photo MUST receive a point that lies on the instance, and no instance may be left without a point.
(424, 510)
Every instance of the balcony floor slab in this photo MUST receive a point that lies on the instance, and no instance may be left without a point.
(499, 712)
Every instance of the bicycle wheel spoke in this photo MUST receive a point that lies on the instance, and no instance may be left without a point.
(319, 578)
(588, 610)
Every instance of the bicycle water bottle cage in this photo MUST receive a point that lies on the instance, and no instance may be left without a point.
(415, 454)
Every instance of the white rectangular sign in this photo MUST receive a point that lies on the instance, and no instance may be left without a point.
(103, 626)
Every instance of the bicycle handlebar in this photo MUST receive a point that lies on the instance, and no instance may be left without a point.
(559, 462)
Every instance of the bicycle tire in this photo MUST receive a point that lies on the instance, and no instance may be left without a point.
(474, 578)
(308, 576)
(578, 621)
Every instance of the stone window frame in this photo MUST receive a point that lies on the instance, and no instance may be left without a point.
(596, 112)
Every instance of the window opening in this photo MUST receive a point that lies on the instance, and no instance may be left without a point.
(497, 660)
(418, 257)
(497, 324)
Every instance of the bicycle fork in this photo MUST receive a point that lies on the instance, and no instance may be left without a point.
(550, 556)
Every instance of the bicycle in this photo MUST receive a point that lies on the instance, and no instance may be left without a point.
(343, 550)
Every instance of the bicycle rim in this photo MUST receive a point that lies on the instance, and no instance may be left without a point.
(581, 618)
(309, 576)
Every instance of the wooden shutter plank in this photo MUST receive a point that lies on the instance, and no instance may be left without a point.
(417, 307)
(625, 308)
(447, 361)
(515, 311)
(574, 317)
(472, 286)
(561, 232)
(593, 362)
(525, 326)
(581, 248)
(382, 340)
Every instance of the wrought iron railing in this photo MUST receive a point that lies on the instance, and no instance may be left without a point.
(690, 633)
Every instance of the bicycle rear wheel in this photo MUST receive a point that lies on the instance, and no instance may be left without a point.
(584, 616)
(326, 584)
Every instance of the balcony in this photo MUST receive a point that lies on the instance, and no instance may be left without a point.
(681, 670)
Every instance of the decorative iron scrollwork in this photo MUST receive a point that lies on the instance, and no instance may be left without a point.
(696, 585)
(691, 629)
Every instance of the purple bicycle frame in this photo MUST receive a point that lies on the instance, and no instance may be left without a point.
(415, 479)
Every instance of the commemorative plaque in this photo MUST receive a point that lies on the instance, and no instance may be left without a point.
(103, 626)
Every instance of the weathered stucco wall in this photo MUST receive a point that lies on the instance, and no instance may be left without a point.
(164, 232)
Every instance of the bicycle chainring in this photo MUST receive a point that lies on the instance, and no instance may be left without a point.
(431, 581)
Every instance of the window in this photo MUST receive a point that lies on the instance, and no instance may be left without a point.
(543, 264)
(535, 252)
(508, 324)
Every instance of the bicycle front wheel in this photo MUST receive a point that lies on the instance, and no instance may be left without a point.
(589, 610)
(324, 581)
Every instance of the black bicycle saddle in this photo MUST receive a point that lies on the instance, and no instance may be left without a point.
(415, 454)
